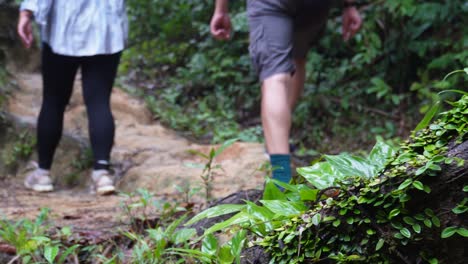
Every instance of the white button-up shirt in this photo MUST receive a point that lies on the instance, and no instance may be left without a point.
(81, 27)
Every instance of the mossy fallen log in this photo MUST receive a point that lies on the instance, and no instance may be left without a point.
(412, 211)
(415, 211)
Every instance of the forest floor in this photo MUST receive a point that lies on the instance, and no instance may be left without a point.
(149, 156)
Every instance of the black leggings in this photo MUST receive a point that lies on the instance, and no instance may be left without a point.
(58, 74)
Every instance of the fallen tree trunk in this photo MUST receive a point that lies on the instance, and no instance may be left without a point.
(446, 193)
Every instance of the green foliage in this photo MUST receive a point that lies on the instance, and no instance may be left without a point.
(339, 167)
(32, 242)
(328, 225)
(20, 149)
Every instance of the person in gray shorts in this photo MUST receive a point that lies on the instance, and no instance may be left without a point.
(281, 33)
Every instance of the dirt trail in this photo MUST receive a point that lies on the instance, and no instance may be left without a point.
(153, 157)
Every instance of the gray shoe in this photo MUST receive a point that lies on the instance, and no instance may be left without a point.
(38, 180)
(103, 183)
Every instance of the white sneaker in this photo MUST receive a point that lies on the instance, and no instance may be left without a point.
(38, 180)
(103, 183)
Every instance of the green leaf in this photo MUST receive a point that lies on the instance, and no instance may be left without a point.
(237, 244)
(182, 235)
(316, 219)
(417, 228)
(284, 208)
(380, 244)
(272, 192)
(405, 184)
(26, 259)
(336, 223)
(435, 108)
(433, 261)
(354, 258)
(209, 244)
(448, 232)
(262, 215)
(225, 145)
(428, 223)
(224, 255)
(216, 211)
(465, 188)
(337, 168)
(429, 212)
(41, 239)
(204, 257)
(418, 185)
(50, 253)
(427, 189)
(409, 220)
(420, 170)
(394, 213)
(67, 252)
(435, 221)
(453, 91)
(308, 194)
(239, 218)
(462, 231)
(405, 232)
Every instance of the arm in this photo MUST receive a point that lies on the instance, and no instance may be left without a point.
(25, 24)
(220, 25)
(351, 20)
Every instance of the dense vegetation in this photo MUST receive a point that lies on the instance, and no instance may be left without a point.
(369, 209)
(358, 209)
(348, 208)
(379, 82)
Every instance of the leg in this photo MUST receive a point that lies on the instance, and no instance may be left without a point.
(98, 78)
(309, 24)
(58, 74)
(276, 112)
(298, 82)
(276, 121)
(271, 28)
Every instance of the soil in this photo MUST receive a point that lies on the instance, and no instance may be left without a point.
(146, 155)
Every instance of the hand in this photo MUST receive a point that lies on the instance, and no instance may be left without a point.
(25, 28)
(220, 26)
(351, 22)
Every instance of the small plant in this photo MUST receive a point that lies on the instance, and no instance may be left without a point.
(20, 150)
(32, 242)
(210, 167)
(188, 191)
(144, 210)
(84, 161)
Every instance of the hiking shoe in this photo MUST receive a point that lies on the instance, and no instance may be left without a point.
(102, 181)
(38, 180)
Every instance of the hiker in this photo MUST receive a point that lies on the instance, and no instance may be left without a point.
(85, 35)
(281, 32)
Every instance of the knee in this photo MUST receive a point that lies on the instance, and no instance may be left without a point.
(280, 80)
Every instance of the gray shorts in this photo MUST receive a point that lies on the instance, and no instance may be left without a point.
(283, 30)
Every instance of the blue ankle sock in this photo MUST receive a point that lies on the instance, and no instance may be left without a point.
(281, 165)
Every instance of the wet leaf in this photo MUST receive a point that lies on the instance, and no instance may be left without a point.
(380, 244)
(448, 232)
(405, 232)
(215, 211)
(50, 253)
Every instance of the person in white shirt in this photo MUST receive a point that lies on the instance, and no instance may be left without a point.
(80, 34)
